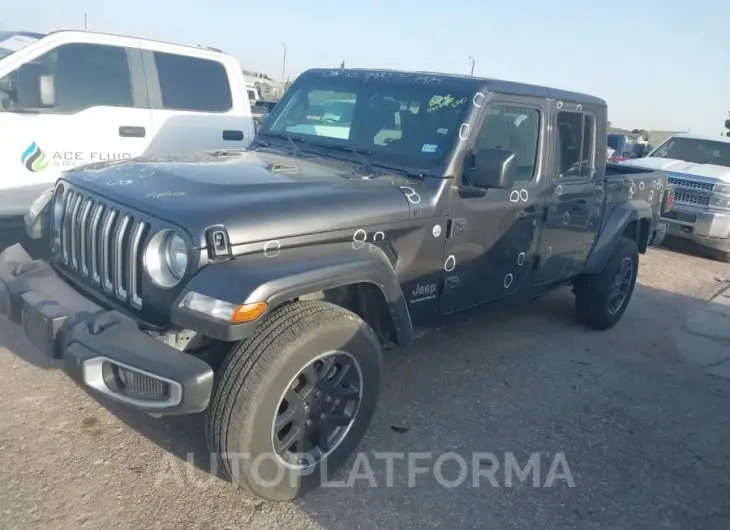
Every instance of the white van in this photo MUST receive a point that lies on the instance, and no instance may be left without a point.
(71, 98)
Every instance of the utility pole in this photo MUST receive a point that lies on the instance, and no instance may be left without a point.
(85, 22)
(283, 65)
(472, 65)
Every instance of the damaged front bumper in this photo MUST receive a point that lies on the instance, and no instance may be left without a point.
(102, 350)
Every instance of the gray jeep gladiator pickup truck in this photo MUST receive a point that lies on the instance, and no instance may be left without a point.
(263, 285)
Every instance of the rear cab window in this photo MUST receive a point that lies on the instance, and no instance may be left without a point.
(575, 142)
(192, 83)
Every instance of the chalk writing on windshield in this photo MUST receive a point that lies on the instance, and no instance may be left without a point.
(445, 102)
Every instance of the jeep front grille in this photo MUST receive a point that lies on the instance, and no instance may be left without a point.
(691, 199)
(103, 245)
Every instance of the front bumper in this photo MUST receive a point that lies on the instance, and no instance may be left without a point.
(708, 228)
(102, 350)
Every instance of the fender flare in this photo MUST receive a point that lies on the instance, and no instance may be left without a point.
(620, 217)
(287, 274)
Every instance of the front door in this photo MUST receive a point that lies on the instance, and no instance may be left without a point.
(97, 117)
(574, 197)
(492, 239)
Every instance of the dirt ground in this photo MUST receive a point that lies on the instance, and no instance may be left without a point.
(643, 430)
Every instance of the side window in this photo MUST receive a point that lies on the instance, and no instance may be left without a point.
(191, 83)
(516, 129)
(85, 75)
(576, 144)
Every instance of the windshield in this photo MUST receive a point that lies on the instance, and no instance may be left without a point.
(392, 122)
(12, 41)
(695, 150)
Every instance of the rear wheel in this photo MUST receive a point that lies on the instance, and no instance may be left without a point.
(293, 401)
(601, 299)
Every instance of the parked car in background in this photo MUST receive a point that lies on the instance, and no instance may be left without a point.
(698, 168)
(71, 98)
(625, 147)
(260, 110)
(253, 94)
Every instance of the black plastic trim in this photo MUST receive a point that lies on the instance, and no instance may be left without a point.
(66, 325)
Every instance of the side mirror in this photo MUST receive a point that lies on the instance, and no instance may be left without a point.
(493, 168)
(36, 89)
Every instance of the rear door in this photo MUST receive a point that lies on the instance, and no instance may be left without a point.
(574, 196)
(197, 104)
(492, 240)
(100, 113)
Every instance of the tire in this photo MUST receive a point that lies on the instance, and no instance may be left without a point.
(252, 383)
(594, 292)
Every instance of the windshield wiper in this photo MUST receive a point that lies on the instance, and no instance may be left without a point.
(358, 154)
(296, 151)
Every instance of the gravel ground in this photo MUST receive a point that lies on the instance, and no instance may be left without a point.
(643, 433)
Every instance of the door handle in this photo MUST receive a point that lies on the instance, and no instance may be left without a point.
(233, 136)
(130, 131)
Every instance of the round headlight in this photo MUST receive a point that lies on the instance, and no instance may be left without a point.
(166, 258)
(176, 254)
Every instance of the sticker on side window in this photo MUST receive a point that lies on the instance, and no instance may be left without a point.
(429, 148)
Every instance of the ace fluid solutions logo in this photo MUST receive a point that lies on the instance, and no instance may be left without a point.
(34, 159)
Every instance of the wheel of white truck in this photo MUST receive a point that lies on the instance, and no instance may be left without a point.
(601, 299)
(293, 401)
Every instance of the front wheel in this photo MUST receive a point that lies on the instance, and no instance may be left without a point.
(293, 401)
(601, 299)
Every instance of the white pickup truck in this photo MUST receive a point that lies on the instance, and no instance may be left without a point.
(698, 168)
(72, 98)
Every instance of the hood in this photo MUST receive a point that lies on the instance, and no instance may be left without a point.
(709, 171)
(256, 195)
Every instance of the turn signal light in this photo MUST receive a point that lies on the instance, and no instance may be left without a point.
(248, 312)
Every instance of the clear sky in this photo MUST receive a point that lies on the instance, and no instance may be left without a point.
(660, 64)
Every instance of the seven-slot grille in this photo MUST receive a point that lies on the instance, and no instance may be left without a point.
(103, 245)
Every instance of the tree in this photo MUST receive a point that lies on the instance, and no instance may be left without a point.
(727, 126)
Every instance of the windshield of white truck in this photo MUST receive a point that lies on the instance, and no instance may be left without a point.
(12, 41)
(695, 150)
(405, 124)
